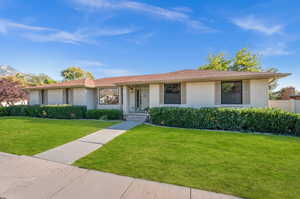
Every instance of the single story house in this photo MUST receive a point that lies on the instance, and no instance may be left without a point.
(185, 88)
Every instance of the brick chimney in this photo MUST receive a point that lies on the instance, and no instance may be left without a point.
(287, 92)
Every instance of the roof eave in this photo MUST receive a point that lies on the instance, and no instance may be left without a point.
(239, 77)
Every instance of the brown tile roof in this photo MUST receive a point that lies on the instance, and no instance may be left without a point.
(67, 84)
(178, 76)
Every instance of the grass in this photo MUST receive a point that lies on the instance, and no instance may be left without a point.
(246, 165)
(29, 136)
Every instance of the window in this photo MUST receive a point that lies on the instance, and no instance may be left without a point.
(231, 92)
(172, 94)
(109, 96)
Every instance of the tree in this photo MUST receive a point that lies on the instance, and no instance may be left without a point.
(31, 80)
(244, 60)
(40, 79)
(73, 73)
(11, 92)
(217, 62)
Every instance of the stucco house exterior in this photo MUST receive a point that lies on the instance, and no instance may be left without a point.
(185, 88)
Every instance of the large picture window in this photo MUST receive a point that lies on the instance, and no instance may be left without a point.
(231, 92)
(172, 94)
(109, 96)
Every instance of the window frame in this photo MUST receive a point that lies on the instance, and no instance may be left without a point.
(180, 92)
(241, 93)
(99, 96)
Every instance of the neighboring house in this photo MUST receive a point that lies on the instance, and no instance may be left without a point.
(186, 88)
(295, 97)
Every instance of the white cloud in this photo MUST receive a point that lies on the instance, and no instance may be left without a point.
(6, 25)
(255, 24)
(115, 72)
(60, 36)
(89, 63)
(183, 9)
(179, 16)
(275, 50)
(46, 34)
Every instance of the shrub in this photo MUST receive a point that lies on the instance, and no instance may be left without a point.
(49, 111)
(298, 126)
(19, 110)
(4, 111)
(241, 119)
(110, 114)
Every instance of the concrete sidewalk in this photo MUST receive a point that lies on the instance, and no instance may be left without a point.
(23, 177)
(72, 151)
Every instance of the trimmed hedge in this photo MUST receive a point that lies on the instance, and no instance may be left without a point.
(105, 114)
(47, 111)
(4, 111)
(239, 119)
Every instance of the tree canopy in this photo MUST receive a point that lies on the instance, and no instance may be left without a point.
(244, 60)
(73, 73)
(31, 79)
(11, 92)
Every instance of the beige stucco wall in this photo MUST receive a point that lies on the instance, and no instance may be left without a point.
(200, 94)
(297, 106)
(259, 93)
(79, 96)
(154, 95)
(85, 97)
(55, 96)
(287, 105)
(34, 97)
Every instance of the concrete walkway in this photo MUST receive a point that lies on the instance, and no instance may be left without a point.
(23, 177)
(72, 151)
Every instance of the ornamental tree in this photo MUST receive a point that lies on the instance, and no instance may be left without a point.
(11, 92)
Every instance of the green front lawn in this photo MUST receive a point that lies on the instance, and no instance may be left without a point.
(29, 136)
(246, 165)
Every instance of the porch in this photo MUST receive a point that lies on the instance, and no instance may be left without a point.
(135, 99)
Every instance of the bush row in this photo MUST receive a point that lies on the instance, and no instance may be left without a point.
(59, 112)
(104, 114)
(240, 119)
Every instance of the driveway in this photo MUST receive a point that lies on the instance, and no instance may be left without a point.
(23, 177)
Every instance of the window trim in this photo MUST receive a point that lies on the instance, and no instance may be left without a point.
(99, 95)
(241, 94)
(180, 93)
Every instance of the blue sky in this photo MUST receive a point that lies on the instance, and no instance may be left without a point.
(127, 37)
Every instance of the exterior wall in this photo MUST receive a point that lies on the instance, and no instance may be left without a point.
(55, 96)
(200, 94)
(287, 105)
(154, 95)
(145, 97)
(79, 96)
(90, 99)
(259, 93)
(208, 94)
(131, 102)
(34, 97)
(85, 97)
(297, 106)
(282, 104)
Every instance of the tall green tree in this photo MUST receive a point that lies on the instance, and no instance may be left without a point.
(244, 60)
(74, 73)
(217, 62)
